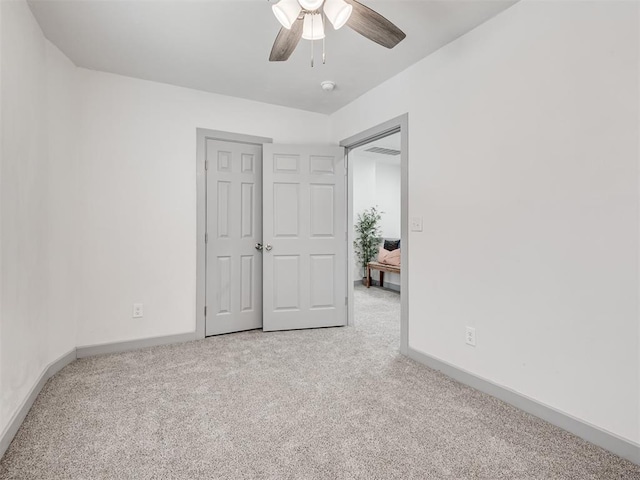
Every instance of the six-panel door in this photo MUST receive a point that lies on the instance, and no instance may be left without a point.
(304, 233)
(234, 227)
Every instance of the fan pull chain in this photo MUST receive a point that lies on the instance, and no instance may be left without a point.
(312, 41)
(324, 52)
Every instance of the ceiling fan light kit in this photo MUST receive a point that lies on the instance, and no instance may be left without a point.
(338, 12)
(310, 5)
(305, 19)
(287, 12)
(313, 28)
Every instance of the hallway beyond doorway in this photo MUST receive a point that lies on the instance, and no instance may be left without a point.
(377, 314)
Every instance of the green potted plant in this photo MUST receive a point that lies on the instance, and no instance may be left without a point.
(368, 238)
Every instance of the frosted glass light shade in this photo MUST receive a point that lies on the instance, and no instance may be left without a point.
(311, 5)
(313, 27)
(338, 12)
(286, 11)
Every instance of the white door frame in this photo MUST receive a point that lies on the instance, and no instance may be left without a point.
(398, 124)
(202, 135)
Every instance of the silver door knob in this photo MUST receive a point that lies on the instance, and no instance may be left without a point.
(268, 247)
(259, 246)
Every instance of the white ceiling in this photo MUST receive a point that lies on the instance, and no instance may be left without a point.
(222, 46)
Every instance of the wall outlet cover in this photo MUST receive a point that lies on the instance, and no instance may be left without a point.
(470, 336)
(138, 310)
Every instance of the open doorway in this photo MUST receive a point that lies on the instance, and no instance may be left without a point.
(376, 211)
(378, 224)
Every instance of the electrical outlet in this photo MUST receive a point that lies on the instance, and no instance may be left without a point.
(138, 311)
(470, 336)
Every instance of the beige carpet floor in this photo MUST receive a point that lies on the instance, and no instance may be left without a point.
(335, 403)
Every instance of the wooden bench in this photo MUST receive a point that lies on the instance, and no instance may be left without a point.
(381, 267)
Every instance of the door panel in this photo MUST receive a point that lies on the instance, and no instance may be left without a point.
(234, 222)
(286, 213)
(304, 214)
(286, 283)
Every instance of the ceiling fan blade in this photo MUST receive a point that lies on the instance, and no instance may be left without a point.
(374, 26)
(286, 42)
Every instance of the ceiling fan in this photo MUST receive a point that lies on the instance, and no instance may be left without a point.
(306, 19)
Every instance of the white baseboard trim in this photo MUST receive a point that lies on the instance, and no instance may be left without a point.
(591, 433)
(128, 346)
(18, 417)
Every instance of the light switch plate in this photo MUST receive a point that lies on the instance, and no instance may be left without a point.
(416, 224)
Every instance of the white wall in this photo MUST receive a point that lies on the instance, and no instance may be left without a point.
(523, 162)
(3, 419)
(138, 177)
(37, 206)
(3, 414)
(63, 202)
(364, 183)
(388, 197)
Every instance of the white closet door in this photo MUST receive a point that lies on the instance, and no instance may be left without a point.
(304, 233)
(234, 227)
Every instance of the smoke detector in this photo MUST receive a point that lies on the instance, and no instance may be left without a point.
(328, 85)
